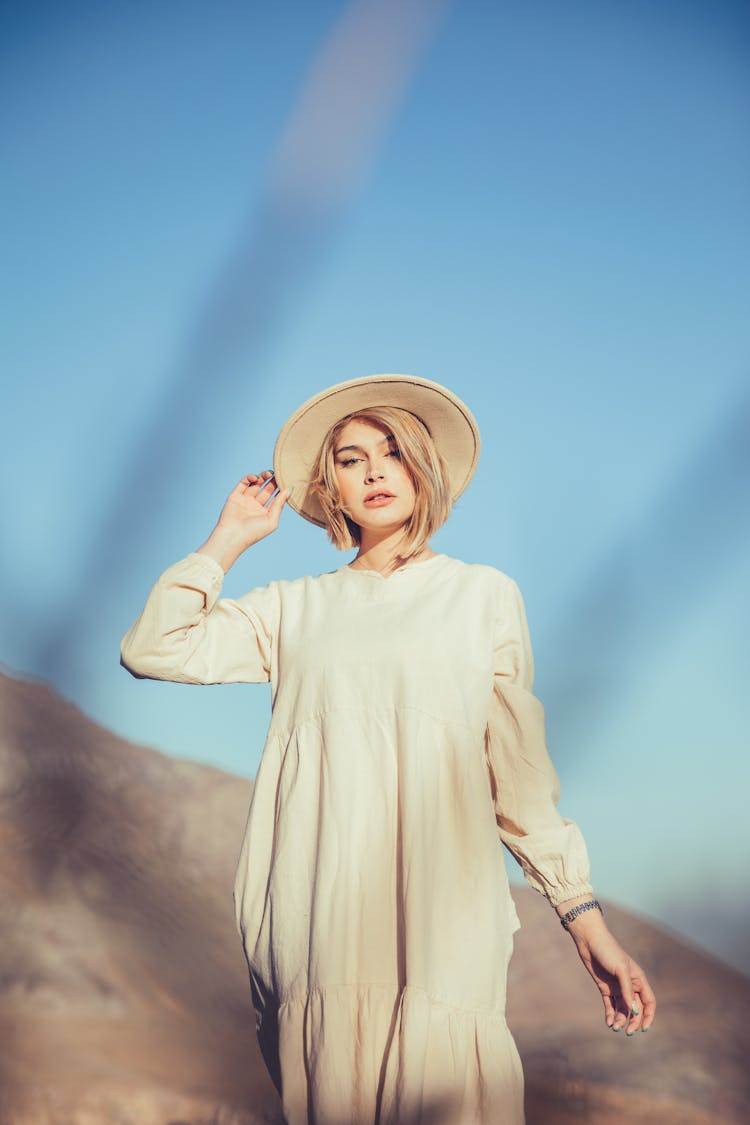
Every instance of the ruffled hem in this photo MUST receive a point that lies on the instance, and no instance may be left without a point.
(378, 1055)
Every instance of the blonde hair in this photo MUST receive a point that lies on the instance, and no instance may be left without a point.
(422, 461)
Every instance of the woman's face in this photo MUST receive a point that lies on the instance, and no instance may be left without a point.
(376, 491)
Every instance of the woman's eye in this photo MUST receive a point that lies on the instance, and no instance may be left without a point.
(394, 453)
(349, 461)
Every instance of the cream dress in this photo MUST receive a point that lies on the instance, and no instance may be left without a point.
(371, 894)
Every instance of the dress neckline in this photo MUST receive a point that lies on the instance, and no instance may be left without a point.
(416, 565)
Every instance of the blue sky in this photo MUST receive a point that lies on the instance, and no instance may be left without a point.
(549, 214)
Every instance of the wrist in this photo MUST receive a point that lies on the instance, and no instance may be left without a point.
(575, 900)
(223, 546)
(584, 915)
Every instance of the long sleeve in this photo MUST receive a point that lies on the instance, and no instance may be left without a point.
(525, 786)
(188, 634)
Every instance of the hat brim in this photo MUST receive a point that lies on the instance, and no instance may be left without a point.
(449, 420)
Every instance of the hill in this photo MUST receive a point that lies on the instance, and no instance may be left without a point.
(124, 997)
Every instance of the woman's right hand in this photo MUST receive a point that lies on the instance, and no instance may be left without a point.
(248, 516)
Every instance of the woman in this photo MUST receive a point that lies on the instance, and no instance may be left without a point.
(405, 740)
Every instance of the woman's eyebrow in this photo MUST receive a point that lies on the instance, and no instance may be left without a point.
(344, 448)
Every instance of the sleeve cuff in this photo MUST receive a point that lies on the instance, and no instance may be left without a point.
(555, 862)
(558, 896)
(195, 572)
(209, 566)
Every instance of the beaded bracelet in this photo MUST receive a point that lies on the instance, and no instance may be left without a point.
(592, 904)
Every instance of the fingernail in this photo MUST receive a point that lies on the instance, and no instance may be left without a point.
(615, 1028)
(633, 1009)
(630, 1034)
(645, 1029)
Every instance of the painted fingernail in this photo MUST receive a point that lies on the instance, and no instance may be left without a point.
(630, 1034)
(645, 1029)
(634, 1009)
(615, 1028)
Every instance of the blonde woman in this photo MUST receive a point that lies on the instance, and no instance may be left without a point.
(405, 742)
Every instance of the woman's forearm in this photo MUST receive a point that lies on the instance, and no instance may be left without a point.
(224, 546)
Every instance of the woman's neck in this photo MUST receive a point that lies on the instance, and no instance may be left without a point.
(383, 554)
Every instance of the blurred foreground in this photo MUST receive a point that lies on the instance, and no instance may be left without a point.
(124, 997)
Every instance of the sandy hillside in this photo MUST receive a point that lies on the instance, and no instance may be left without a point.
(123, 989)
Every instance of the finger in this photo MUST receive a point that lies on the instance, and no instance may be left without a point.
(253, 483)
(636, 1017)
(609, 1009)
(649, 1002)
(626, 987)
(267, 484)
(621, 1014)
(278, 502)
(250, 480)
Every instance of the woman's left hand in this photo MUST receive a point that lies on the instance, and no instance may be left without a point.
(629, 1000)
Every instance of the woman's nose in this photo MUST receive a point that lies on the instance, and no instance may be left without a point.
(374, 472)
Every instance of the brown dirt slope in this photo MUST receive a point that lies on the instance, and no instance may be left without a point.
(124, 997)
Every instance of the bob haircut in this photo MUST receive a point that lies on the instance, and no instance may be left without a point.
(422, 461)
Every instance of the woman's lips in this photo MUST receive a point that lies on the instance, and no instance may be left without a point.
(379, 501)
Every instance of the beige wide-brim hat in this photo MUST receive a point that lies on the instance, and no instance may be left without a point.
(450, 422)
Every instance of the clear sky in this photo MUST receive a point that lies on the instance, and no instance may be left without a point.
(211, 211)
